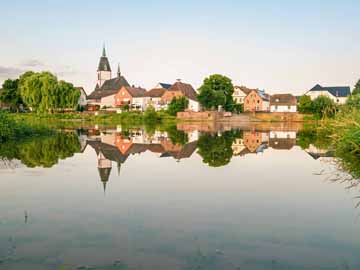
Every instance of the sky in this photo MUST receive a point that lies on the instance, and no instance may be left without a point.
(279, 46)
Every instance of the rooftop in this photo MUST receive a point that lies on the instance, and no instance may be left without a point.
(283, 99)
(186, 89)
(336, 91)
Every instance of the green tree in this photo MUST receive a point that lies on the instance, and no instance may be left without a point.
(216, 90)
(216, 150)
(305, 104)
(42, 92)
(11, 94)
(357, 88)
(177, 105)
(324, 106)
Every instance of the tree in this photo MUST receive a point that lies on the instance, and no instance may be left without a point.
(11, 94)
(177, 105)
(216, 91)
(305, 104)
(357, 88)
(353, 101)
(324, 106)
(42, 92)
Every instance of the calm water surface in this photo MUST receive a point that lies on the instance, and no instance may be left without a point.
(136, 199)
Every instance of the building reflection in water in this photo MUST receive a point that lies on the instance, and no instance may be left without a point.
(116, 146)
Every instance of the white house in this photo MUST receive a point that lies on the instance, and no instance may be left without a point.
(338, 94)
(155, 98)
(240, 92)
(83, 97)
(283, 103)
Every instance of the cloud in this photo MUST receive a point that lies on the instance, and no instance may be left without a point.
(32, 63)
(10, 72)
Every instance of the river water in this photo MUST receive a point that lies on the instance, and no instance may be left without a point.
(186, 198)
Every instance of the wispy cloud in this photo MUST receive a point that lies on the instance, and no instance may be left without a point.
(32, 63)
(10, 72)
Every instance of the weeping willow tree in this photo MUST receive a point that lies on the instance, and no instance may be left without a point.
(42, 92)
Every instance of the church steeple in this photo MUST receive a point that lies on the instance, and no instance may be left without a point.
(104, 69)
(104, 51)
(118, 71)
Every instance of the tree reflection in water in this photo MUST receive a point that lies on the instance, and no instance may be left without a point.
(216, 149)
(41, 151)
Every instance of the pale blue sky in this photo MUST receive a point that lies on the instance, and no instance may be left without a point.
(281, 46)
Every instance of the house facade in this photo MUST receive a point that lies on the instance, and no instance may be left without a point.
(257, 101)
(134, 97)
(240, 92)
(188, 91)
(155, 98)
(338, 94)
(283, 103)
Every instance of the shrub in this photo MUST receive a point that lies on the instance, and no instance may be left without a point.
(324, 106)
(353, 101)
(150, 115)
(178, 105)
(305, 104)
(7, 127)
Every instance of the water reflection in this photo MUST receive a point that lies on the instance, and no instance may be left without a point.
(185, 197)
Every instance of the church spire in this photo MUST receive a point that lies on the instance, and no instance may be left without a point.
(104, 51)
(118, 71)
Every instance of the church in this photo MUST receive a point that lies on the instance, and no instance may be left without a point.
(106, 87)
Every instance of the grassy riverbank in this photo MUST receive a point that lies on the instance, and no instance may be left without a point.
(344, 131)
(11, 129)
(69, 120)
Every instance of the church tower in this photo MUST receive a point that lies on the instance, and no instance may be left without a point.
(104, 70)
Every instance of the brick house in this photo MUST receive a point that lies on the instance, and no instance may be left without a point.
(135, 98)
(257, 101)
(180, 89)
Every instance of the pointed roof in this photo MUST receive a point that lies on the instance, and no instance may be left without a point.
(104, 62)
(104, 174)
(118, 71)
